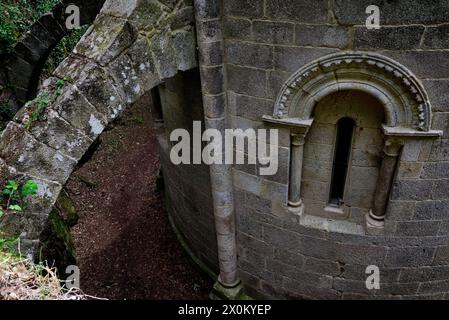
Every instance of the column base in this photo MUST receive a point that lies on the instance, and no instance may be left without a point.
(296, 208)
(374, 224)
(221, 292)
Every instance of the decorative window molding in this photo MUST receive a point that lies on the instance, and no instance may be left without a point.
(404, 99)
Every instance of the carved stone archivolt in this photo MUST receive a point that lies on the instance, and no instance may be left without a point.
(402, 95)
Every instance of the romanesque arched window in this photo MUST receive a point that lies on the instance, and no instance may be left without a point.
(349, 115)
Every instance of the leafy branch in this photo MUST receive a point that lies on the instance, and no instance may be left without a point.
(15, 195)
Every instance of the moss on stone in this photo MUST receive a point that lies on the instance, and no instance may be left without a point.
(56, 242)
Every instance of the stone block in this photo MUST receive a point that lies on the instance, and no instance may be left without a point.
(142, 66)
(325, 267)
(412, 190)
(409, 257)
(273, 32)
(441, 256)
(436, 37)
(60, 135)
(280, 238)
(252, 108)
(440, 150)
(236, 28)
(410, 170)
(360, 254)
(249, 54)
(400, 210)
(22, 151)
(424, 64)
(248, 81)
(400, 12)
(306, 11)
(106, 39)
(292, 259)
(184, 44)
(390, 38)
(418, 229)
(212, 80)
(291, 59)
(73, 107)
(244, 8)
(322, 36)
(101, 92)
(211, 53)
(441, 122)
(164, 55)
(441, 190)
(438, 91)
(310, 292)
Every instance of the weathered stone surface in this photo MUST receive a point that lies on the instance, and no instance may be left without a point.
(273, 32)
(161, 46)
(307, 11)
(60, 135)
(244, 8)
(19, 149)
(438, 91)
(73, 107)
(247, 81)
(101, 92)
(249, 55)
(412, 189)
(292, 58)
(185, 49)
(395, 12)
(409, 257)
(425, 64)
(392, 38)
(322, 36)
(106, 39)
(436, 37)
(236, 28)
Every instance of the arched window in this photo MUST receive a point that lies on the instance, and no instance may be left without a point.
(343, 143)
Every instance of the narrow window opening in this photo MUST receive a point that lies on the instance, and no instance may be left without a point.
(345, 131)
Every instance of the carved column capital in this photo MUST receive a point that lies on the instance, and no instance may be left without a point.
(392, 147)
(298, 139)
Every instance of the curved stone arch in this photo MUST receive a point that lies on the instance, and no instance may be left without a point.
(24, 66)
(117, 61)
(405, 100)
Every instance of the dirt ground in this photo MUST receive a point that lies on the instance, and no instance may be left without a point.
(125, 246)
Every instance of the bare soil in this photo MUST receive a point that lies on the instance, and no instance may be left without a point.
(124, 244)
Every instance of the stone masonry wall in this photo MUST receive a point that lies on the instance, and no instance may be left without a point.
(188, 187)
(265, 42)
(131, 47)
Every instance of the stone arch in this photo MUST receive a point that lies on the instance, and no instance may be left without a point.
(122, 56)
(406, 107)
(24, 66)
(404, 98)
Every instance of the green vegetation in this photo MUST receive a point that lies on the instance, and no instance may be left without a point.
(38, 106)
(15, 196)
(16, 17)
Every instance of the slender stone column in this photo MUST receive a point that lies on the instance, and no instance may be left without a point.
(297, 154)
(210, 41)
(376, 216)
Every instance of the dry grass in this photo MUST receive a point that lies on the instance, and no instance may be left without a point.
(21, 279)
